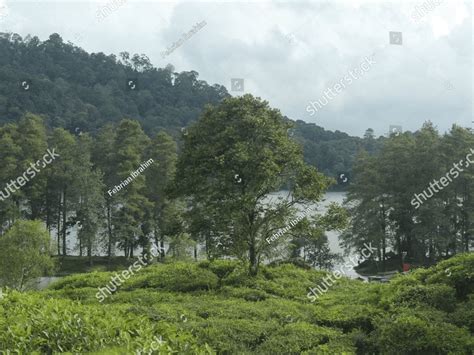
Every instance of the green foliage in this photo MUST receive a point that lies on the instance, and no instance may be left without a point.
(30, 323)
(267, 314)
(236, 336)
(221, 268)
(457, 272)
(183, 277)
(438, 296)
(407, 196)
(463, 315)
(235, 155)
(77, 89)
(24, 254)
(93, 279)
(248, 294)
(298, 337)
(417, 336)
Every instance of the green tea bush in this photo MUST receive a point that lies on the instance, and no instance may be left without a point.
(234, 336)
(463, 315)
(29, 323)
(93, 279)
(438, 296)
(216, 306)
(221, 268)
(346, 317)
(457, 272)
(85, 294)
(295, 338)
(183, 277)
(248, 294)
(413, 336)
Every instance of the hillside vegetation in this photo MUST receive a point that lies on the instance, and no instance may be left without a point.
(215, 307)
(82, 92)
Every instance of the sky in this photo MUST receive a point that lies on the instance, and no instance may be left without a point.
(344, 65)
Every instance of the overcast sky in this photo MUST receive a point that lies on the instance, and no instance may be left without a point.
(291, 53)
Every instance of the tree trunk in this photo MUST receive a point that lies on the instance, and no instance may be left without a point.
(64, 222)
(89, 249)
(162, 248)
(59, 225)
(109, 231)
(253, 270)
(384, 231)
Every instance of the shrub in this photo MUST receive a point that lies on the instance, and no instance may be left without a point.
(438, 296)
(295, 338)
(346, 316)
(248, 294)
(463, 316)
(457, 272)
(29, 323)
(221, 268)
(181, 277)
(234, 336)
(93, 279)
(409, 335)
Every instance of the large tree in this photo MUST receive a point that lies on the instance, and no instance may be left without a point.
(130, 145)
(233, 157)
(163, 150)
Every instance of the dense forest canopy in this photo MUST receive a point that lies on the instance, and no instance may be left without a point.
(82, 92)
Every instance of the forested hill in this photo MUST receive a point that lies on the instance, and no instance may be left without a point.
(81, 92)
(75, 89)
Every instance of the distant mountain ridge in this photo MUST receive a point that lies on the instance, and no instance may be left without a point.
(82, 92)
